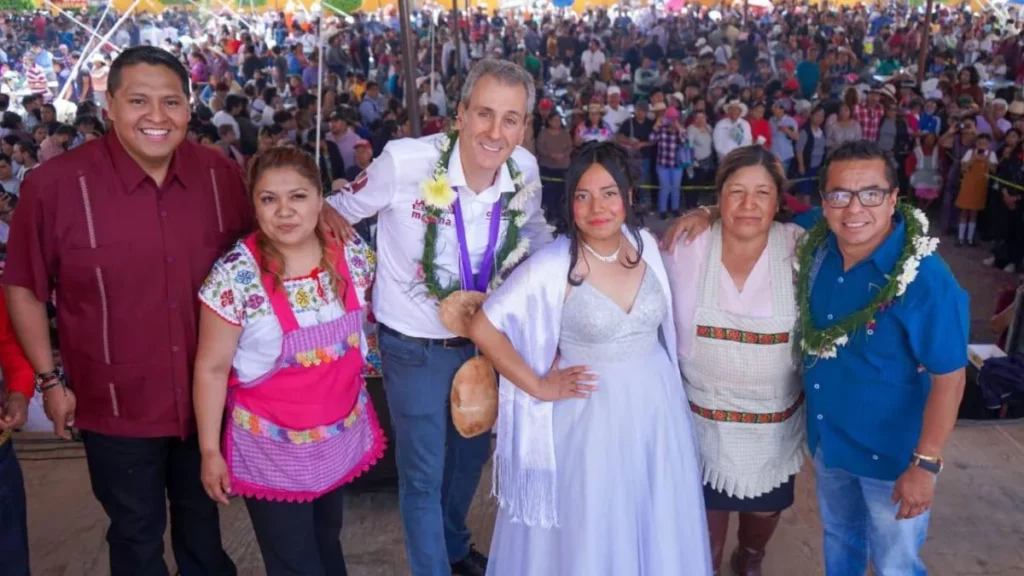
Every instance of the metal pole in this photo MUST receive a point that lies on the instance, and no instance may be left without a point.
(74, 21)
(412, 106)
(926, 40)
(319, 85)
(106, 38)
(458, 42)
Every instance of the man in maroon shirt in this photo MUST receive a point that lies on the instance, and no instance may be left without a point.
(126, 228)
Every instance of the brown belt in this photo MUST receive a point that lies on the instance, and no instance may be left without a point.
(747, 417)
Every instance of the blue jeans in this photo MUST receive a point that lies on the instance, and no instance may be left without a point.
(859, 519)
(13, 515)
(438, 469)
(642, 195)
(669, 180)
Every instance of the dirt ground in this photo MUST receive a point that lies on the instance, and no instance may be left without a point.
(977, 525)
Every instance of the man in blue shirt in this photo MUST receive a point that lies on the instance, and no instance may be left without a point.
(881, 404)
(369, 108)
(879, 412)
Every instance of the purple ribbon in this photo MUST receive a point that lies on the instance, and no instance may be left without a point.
(479, 281)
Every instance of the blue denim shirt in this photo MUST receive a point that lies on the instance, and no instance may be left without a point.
(866, 406)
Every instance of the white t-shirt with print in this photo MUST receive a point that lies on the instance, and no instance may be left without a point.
(391, 188)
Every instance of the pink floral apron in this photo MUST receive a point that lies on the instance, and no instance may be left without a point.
(307, 426)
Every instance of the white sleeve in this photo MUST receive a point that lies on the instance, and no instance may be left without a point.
(536, 230)
(721, 138)
(748, 135)
(370, 193)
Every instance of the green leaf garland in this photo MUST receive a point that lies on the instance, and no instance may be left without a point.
(824, 342)
(512, 244)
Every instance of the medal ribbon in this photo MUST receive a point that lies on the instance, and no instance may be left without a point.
(479, 281)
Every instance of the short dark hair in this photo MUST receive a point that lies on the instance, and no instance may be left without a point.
(146, 55)
(66, 130)
(859, 150)
(5, 158)
(29, 147)
(233, 101)
(11, 139)
(50, 107)
(371, 84)
(282, 116)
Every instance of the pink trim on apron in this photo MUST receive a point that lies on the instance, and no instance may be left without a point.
(273, 450)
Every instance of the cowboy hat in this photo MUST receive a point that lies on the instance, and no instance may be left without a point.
(1017, 108)
(737, 103)
(886, 91)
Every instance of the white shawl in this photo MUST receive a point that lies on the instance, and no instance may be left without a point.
(527, 308)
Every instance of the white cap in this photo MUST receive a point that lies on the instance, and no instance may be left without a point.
(614, 90)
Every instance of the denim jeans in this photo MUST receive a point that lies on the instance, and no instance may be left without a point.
(643, 195)
(859, 519)
(669, 180)
(13, 516)
(438, 469)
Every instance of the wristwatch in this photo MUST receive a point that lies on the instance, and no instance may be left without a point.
(930, 463)
(47, 380)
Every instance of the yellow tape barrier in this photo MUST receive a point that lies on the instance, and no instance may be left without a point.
(653, 187)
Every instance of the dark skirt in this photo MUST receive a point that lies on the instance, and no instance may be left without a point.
(774, 501)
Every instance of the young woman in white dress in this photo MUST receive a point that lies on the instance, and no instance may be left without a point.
(596, 467)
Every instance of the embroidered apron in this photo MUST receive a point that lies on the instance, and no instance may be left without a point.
(743, 384)
(270, 460)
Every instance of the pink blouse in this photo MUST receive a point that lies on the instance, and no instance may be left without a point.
(686, 268)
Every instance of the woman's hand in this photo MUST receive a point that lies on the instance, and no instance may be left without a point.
(216, 481)
(565, 383)
(335, 224)
(693, 224)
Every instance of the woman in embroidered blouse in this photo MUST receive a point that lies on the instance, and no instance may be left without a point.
(733, 297)
(281, 353)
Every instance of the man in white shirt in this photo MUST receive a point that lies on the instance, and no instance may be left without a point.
(615, 113)
(593, 59)
(438, 469)
(233, 105)
(732, 131)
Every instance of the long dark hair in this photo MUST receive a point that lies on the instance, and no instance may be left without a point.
(615, 160)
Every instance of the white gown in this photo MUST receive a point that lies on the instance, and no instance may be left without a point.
(629, 492)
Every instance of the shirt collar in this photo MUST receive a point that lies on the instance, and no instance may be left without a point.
(886, 255)
(132, 175)
(457, 179)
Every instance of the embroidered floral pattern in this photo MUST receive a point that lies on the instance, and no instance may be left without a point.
(328, 354)
(239, 302)
(742, 336)
(263, 427)
(748, 417)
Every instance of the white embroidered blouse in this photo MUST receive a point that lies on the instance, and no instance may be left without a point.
(233, 291)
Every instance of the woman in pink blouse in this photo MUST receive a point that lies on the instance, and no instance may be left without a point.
(735, 312)
(281, 359)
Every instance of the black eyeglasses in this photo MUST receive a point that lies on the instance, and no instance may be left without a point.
(868, 197)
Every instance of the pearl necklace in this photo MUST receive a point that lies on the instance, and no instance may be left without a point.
(613, 257)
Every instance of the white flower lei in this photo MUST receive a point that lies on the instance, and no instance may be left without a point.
(923, 246)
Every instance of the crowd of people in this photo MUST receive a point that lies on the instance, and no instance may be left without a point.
(180, 158)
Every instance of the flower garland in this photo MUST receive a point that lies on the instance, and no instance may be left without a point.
(438, 196)
(824, 343)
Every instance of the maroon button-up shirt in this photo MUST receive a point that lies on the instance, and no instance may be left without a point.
(127, 258)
